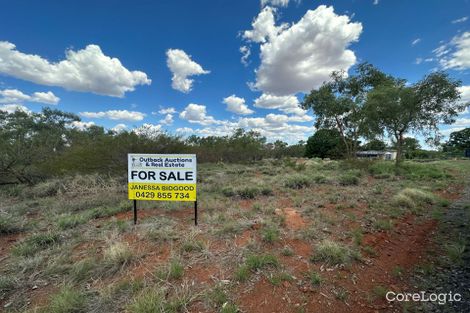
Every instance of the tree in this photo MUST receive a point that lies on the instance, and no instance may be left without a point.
(458, 141)
(395, 108)
(376, 145)
(325, 143)
(339, 103)
(409, 147)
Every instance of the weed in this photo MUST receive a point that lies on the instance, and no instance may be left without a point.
(320, 179)
(149, 301)
(348, 179)
(315, 278)
(7, 283)
(270, 234)
(380, 292)
(297, 181)
(9, 225)
(357, 236)
(117, 255)
(287, 251)
(383, 224)
(228, 192)
(217, 296)
(333, 253)
(258, 262)
(174, 270)
(248, 192)
(35, 243)
(266, 191)
(455, 251)
(398, 271)
(67, 300)
(229, 308)
(341, 294)
(278, 278)
(71, 221)
(242, 273)
(370, 251)
(82, 269)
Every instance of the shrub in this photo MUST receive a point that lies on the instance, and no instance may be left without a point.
(403, 201)
(248, 192)
(266, 191)
(348, 179)
(9, 225)
(67, 300)
(315, 278)
(117, 255)
(383, 224)
(419, 196)
(320, 179)
(6, 284)
(333, 253)
(297, 181)
(228, 192)
(71, 221)
(48, 188)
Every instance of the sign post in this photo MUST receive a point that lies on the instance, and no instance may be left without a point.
(162, 177)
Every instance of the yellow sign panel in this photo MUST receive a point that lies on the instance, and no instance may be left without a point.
(162, 177)
(164, 192)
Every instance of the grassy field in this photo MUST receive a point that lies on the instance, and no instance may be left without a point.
(275, 236)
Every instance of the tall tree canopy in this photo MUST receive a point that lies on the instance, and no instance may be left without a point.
(458, 141)
(340, 102)
(325, 143)
(396, 108)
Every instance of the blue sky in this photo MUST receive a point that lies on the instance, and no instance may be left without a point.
(121, 62)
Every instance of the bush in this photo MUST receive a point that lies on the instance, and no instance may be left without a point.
(228, 192)
(9, 225)
(297, 181)
(320, 179)
(248, 192)
(348, 179)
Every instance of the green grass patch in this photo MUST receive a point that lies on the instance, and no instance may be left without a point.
(333, 253)
(67, 300)
(315, 278)
(35, 243)
(297, 181)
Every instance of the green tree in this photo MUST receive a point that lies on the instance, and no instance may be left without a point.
(375, 144)
(325, 143)
(396, 108)
(410, 146)
(458, 141)
(339, 103)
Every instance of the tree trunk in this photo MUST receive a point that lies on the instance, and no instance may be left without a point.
(399, 138)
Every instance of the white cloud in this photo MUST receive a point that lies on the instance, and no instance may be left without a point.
(448, 131)
(264, 27)
(182, 67)
(375, 2)
(460, 20)
(169, 110)
(301, 56)
(45, 97)
(81, 125)
(465, 93)
(15, 95)
(11, 108)
(168, 120)
(287, 104)
(116, 115)
(119, 128)
(419, 60)
(464, 122)
(237, 105)
(279, 3)
(86, 70)
(196, 113)
(416, 41)
(456, 54)
(246, 52)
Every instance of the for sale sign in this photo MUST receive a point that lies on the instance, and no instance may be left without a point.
(164, 177)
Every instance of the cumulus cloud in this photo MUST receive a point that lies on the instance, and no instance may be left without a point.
(81, 125)
(465, 93)
(116, 115)
(119, 128)
(299, 57)
(287, 104)
(168, 120)
(460, 20)
(237, 105)
(148, 130)
(11, 108)
(182, 67)
(169, 110)
(196, 113)
(456, 53)
(15, 95)
(86, 70)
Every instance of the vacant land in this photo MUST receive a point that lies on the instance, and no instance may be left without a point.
(275, 236)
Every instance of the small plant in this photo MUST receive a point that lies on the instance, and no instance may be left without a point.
(71, 221)
(379, 292)
(333, 253)
(403, 201)
(270, 234)
(217, 296)
(229, 308)
(455, 251)
(228, 192)
(242, 273)
(149, 301)
(297, 181)
(67, 300)
(248, 192)
(287, 251)
(398, 271)
(258, 262)
(6, 284)
(278, 278)
(117, 255)
(192, 245)
(370, 251)
(82, 269)
(35, 243)
(266, 191)
(320, 179)
(9, 225)
(348, 179)
(357, 236)
(341, 294)
(383, 224)
(315, 278)
(174, 270)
